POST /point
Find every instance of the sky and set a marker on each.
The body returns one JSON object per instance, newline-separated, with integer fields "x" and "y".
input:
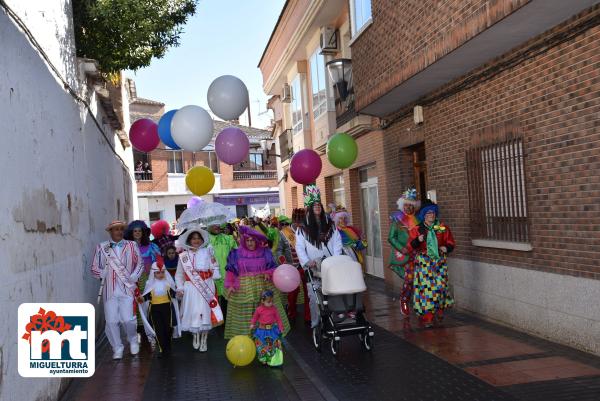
{"x": 224, "y": 37}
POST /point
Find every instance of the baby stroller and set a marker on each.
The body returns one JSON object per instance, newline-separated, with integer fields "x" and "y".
{"x": 339, "y": 299}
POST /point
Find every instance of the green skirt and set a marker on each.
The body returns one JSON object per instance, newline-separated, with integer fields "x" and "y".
{"x": 243, "y": 302}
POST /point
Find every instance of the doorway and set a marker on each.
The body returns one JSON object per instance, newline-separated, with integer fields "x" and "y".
{"x": 419, "y": 162}
{"x": 241, "y": 211}
{"x": 369, "y": 201}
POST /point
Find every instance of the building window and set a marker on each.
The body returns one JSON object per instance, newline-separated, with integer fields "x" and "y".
{"x": 154, "y": 216}
{"x": 317, "y": 77}
{"x": 294, "y": 197}
{"x": 256, "y": 161}
{"x": 179, "y": 209}
{"x": 143, "y": 166}
{"x": 213, "y": 162}
{"x": 337, "y": 182}
{"x": 175, "y": 164}
{"x": 297, "y": 122}
{"x": 360, "y": 11}
{"x": 497, "y": 194}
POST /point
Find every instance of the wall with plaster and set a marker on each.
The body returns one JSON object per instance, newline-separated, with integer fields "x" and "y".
{"x": 61, "y": 181}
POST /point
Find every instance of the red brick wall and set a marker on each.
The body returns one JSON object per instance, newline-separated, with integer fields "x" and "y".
{"x": 227, "y": 181}
{"x": 555, "y": 99}
{"x": 426, "y": 30}
{"x": 159, "y": 162}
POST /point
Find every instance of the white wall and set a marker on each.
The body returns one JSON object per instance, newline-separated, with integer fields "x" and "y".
{"x": 561, "y": 308}
{"x": 164, "y": 204}
{"x": 61, "y": 184}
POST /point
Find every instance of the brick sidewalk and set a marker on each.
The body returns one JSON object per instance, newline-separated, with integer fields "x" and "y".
{"x": 466, "y": 359}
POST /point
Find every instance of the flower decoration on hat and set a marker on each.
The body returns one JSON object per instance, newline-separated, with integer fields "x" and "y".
{"x": 312, "y": 195}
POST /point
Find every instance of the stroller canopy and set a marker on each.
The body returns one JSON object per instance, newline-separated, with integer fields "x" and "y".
{"x": 341, "y": 275}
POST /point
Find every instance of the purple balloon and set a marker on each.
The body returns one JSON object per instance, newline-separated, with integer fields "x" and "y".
{"x": 195, "y": 200}
{"x": 232, "y": 145}
{"x": 305, "y": 166}
{"x": 143, "y": 135}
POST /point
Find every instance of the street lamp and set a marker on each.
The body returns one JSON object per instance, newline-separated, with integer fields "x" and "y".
{"x": 340, "y": 72}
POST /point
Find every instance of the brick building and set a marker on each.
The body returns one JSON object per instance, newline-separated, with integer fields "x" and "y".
{"x": 490, "y": 108}
{"x": 162, "y": 193}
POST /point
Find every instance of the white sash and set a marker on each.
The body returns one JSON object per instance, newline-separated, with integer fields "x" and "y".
{"x": 201, "y": 286}
{"x": 196, "y": 280}
{"x": 118, "y": 267}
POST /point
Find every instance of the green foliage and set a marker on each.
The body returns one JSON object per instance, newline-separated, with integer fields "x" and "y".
{"x": 126, "y": 34}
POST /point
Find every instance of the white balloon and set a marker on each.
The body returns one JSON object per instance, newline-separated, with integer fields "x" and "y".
{"x": 192, "y": 128}
{"x": 228, "y": 97}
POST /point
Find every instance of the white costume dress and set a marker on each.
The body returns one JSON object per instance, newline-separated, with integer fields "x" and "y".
{"x": 196, "y": 314}
{"x": 308, "y": 252}
{"x": 118, "y": 296}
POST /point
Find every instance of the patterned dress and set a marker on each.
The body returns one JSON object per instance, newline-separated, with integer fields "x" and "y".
{"x": 246, "y": 271}
{"x": 431, "y": 293}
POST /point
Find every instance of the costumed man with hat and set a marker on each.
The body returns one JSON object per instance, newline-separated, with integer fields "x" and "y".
{"x": 118, "y": 264}
{"x": 402, "y": 256}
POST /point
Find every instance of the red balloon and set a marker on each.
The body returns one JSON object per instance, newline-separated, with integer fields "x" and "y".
{"x": 160, "y": 228}
{"x": 143, "y": 135}
{"x": 305, "y": 166}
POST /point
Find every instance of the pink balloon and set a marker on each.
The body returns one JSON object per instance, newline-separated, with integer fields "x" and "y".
{"x": 232, "y": 145}
{"x": 143, "y": 135}
{"x": 286, "y": 278}
{"x": 305, "y": 166}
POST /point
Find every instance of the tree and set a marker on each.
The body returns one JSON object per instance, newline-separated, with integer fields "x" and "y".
{"x": 126, "y": 34}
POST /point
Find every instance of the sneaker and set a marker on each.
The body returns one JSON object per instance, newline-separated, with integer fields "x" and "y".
{"x": 152, "y": 342}
{"x": 118, "y": 354}
{"x": 404, "y": 308}
{"x": 427, "y": 319}
{"x": 196, "y": 342}
{"x": 134, "y": 347}
{"x": 203, "y": 342}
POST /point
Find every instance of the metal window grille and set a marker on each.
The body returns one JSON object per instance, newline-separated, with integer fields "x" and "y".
{"x": 497, "y": 195}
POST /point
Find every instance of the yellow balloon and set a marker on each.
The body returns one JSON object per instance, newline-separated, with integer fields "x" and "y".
{"x": 200, "y": 180}
{"x": 240, "y": 350}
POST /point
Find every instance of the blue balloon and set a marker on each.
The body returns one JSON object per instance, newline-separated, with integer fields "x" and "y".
{"x": 164, "y": 129}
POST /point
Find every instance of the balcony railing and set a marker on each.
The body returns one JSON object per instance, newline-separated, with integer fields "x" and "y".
{"x": 143, "y": 176}
{"x": 255, "y": 175}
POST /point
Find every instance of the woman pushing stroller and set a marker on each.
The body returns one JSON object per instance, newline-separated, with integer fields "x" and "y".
{"x": 315, "y": 240}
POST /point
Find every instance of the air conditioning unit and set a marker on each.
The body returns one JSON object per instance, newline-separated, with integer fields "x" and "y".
{"x": 286, "y": 94}
{"x": 329, "y": 40}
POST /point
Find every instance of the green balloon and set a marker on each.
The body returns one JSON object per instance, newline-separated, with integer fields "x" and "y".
{"x": 342, "y": 150}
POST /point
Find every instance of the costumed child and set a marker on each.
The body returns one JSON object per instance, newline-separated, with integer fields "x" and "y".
{"x": 171, "y": 259}
{"x": 432, "y": 242}
{"x": 402, "y": 256}
{"x": 163, "y": 310}
{"x": 196, "y": 272}
{"x": 267, "y": 333}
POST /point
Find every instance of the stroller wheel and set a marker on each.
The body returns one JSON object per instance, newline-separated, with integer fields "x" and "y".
{"x": 317, "y": 337}
{"x": 335, "y": 346}
{"x": 366, "y": 340}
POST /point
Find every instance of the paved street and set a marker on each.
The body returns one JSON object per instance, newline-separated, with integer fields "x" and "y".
{"x": 466, "y": 359}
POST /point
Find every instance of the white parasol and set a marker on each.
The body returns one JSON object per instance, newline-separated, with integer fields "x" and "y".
{"x": 205, "y": 214}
